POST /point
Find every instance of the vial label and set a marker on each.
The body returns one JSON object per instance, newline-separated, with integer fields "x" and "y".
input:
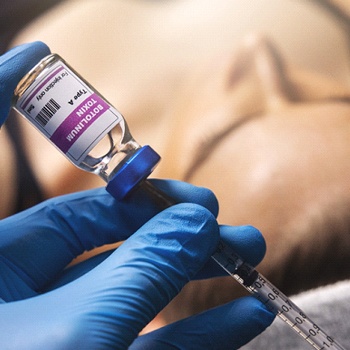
{"x": 64, "y": 109}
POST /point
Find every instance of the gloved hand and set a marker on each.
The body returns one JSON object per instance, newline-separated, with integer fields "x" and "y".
{"x": 106, "y": 301}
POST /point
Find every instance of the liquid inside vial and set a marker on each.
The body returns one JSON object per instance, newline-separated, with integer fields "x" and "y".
{"x": 85, "y": 127}
{"x": 110, "y": 152}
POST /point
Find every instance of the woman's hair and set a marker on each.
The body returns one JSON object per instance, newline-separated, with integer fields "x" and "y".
{"x": 16, "y": 14}
{"x": 340, "y": 11}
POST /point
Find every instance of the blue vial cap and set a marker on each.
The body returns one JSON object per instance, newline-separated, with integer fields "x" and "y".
{"x": 135, "y": 169}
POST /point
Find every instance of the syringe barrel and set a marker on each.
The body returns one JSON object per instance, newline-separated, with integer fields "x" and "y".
{"x": 286, "y": 310}
{"x": 273, "y": 298}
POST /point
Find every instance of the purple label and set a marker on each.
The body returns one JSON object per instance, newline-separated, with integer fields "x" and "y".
{"x": 78, "y": 122}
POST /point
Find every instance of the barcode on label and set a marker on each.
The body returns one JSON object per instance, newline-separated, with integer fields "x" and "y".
{"x": 47, "y": 112}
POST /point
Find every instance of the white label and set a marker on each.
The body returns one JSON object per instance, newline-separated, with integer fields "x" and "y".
{"x": 68, "y": 112}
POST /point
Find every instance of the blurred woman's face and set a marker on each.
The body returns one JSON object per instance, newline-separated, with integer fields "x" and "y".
{"x": 273, "y": 150}
{"x": 276, "y": 170}
{"x": 141, "y": 64}
{"x": 273, "y": 146}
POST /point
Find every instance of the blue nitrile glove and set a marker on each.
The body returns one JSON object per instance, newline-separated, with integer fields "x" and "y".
{"x": 111, "y": 303}
{"x": 14, "y": 64}
{"x": 120, "y": 292}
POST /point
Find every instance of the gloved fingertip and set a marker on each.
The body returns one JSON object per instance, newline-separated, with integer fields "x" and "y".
{"x": 247, "y": 241}
{"x": 226, "y": 327}
{"x": 185, "y": 192}
{"x": 257, "y": 312}
{"x": 193, "y": 231}
{"x": 249, "y": 318}
{"x": 26, "y": 54}
{"x": 14, "y": 64}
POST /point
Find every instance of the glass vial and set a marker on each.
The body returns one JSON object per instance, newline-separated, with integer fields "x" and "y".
{"x": 73, "y": 116}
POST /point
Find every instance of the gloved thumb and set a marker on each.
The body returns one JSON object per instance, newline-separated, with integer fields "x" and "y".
{"x": 14, "y": 64}
{"x": 151, "y": 267}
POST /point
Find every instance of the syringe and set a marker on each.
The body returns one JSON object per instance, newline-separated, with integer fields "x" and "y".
{"x": 260, "y": 287}
{"x": 273, "y": 298}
